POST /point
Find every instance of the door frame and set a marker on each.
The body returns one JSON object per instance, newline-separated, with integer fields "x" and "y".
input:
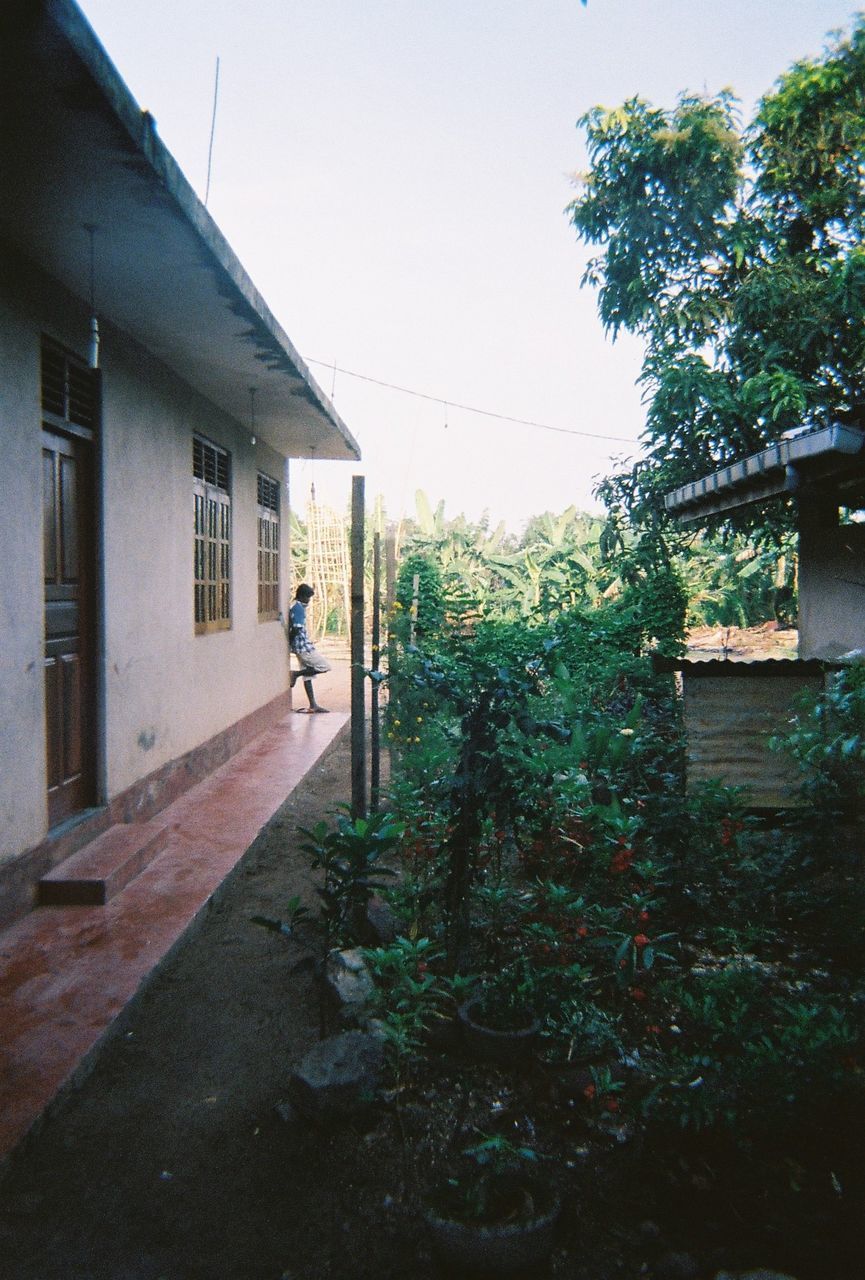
{"x": 77, "y": 418}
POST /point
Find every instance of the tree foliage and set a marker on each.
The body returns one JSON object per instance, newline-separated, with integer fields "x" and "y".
{"x": 738, "y": 256}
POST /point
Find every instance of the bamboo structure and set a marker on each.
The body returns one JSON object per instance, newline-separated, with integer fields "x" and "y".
{"x": 327, "y": 567}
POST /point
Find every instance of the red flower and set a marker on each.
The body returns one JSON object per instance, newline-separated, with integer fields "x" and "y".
{"x": 653, "y": 1029}
{"x": 643, "y": 916}
{"x": 637, "y": 993}
{"x": 640, "y": 940}
{"x": 582, "y": 932}
{"x": 589, "y": 1092}
{"x": 621, "y": 861}
{"x": 612, "y": 1104}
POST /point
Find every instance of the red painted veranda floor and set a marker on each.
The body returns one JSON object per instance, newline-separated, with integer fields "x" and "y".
{"x": 67, "y": 973}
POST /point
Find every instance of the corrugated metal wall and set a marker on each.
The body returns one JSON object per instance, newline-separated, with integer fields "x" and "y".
{"x": 728, "y": 722}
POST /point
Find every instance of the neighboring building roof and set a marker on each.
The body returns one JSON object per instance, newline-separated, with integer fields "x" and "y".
{"x": 77, "y": 151}
{"x": 828, "y": 458}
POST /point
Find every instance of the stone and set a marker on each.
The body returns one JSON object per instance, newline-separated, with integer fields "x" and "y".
{"x": 381, "y": 920}
{"x": 337, "y": 1079}
{"x": 348, "y": 979}
{"x": 286, "y": 1113}
{"x": 762, "y": 1274}
{"x": 677, "y": 1266}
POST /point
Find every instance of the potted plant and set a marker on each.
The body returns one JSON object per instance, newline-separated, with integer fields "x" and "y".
{"x": 579, "y": 1036}
{"x": 499, "y": 1021}
{"x": 494, "y": 1215}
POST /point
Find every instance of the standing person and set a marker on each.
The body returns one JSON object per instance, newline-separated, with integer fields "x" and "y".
{"x": 312, "y": 663}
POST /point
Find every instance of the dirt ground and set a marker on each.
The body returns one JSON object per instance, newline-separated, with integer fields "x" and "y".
{"x": 175, "y": 1161}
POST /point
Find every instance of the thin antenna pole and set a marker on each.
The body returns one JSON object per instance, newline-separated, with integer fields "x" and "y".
{"x": 212, "y": 132}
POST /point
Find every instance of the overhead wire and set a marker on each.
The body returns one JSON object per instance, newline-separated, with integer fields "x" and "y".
{"x": 467, "y": 408}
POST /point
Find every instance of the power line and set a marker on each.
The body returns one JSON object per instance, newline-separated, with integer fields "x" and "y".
{"x": 453, "y": 404}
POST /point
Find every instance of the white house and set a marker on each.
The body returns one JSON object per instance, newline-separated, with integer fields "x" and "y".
{"x": 144, "y": 514}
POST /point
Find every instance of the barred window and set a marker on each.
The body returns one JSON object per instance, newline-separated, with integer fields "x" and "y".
{"x": 268, "y": 548}
{"x": 68, "y": 391}
{"x": 211, "y": 471}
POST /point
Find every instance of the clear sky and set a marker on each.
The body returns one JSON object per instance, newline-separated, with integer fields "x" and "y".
{"x": 393, "y": 175}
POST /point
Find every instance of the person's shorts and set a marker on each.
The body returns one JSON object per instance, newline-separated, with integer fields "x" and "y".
{"x": 314, "y": 660}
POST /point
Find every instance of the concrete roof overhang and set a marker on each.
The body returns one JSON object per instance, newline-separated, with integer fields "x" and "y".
{"x": 76, "y": 151}
{"x": 828, "y": 461}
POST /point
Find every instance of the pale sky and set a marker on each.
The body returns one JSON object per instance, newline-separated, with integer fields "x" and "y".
{"x": 393, "y": 175}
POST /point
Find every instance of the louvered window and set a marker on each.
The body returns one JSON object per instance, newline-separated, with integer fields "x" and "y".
{"x": 69, "y": 398}
{"x": 268, "y": 548}
{"x": 211, "y": 470}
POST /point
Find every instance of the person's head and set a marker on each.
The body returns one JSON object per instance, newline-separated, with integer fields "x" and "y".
{"x": 304, "y": 593}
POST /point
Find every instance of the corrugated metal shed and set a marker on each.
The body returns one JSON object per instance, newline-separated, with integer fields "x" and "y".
{"x": 731, "y": 710}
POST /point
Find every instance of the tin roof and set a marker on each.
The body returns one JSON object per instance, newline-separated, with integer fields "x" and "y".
{"x": 695, "y": 665}
{"x": 833, "y": 456}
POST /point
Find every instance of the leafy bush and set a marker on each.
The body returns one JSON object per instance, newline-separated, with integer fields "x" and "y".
{"x": 827, "y": 738}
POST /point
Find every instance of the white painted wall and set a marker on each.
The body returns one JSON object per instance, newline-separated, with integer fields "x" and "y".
{"x": 831, "y": 586}
{"x": 166, "y": 689}
{"x": 22, "y": 690}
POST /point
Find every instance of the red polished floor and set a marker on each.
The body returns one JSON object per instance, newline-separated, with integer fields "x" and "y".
{"x": 67, "y": 973}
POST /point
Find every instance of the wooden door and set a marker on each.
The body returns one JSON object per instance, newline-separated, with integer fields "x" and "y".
{"x": 69, "y": 665}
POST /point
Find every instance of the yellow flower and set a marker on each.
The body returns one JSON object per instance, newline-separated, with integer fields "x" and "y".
{"x": 420, "y": 719}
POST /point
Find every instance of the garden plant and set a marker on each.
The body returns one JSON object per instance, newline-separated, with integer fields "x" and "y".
{"x": 698, "y": 1014}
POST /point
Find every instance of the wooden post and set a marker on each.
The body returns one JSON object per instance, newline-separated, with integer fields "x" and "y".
{"x": 389, "y": 590}
{"x": 375, "y": 666}
{"x": 358, "y": 725}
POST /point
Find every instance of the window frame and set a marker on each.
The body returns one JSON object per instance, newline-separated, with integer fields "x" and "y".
{"x": 212, "y": 536}
{"x": 269, "y": 559}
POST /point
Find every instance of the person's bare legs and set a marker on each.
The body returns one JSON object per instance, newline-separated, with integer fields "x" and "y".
{"x": 310, "y": 697}
{"x": 314, "y": 664}
{"x": 306, "y": 674}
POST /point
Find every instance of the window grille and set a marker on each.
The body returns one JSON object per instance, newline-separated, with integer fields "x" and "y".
{"x": 68, "y": 389}
{"x": 211, "y": 471}
{"x": 268, "y": 548}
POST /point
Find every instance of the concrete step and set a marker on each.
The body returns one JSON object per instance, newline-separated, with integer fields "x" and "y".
{"x": 104, "y": 866}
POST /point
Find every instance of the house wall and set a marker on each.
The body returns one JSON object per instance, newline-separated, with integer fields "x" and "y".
{"x": 164, "y": 689}
{"x": 831, "y": 583}
{"x": 22, "y": 694}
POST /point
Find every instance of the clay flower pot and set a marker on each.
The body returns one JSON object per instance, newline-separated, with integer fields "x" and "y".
{"x": 518, "y": 1244}
{"x": 493, "y": 1040}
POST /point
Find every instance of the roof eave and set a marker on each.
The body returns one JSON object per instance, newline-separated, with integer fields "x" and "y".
{"x": 778, "y": 469}
{"x": 165, "y": 273}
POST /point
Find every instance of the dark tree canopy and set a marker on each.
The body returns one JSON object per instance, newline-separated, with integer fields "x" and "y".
{"x": 738, "y": 256}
